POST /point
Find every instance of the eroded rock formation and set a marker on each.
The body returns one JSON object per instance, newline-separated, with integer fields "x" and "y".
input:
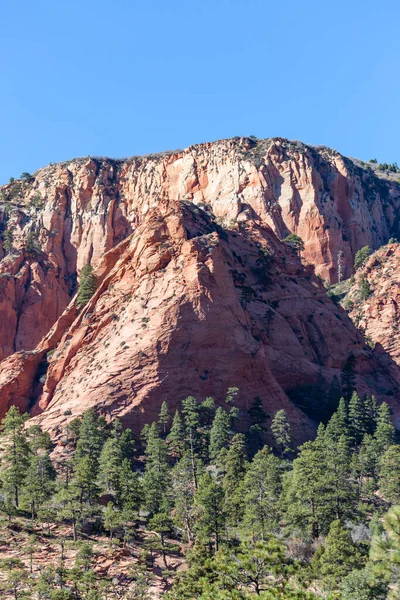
{"x": 196, "y": 292}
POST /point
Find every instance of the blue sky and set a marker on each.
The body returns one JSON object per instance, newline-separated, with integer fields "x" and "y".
{"x": 125, "y": 77}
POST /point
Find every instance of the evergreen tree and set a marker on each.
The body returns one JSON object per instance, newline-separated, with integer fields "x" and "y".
{"x": 112, "y": 519}
{"x": 191, "y": 413}
{"x": 156, "y": 477}
{"x": 8, "y": 240}
{"x": 340, "y": 556}
{"x": 280, "y": 428}
{"x": 385, "y": 432}
{"x": 385, "y": 550}
{"x": 362, "y": 584}
{"x": 356, "y": 420}
{"x": 361, "y": 257}
{"x": 235, "y": 465}
{"x": 389, "y": 475}
{"x": 209, "y": 521}
{"x": 16, "y": 454}
{"x": 176, "y": 436}
{"x": 308, "y": 489}
{"x": 162, "y": 524}
{"x": 261, "y": 494}
{"x": 340, "y": 492}
{"x": 183, "y": 491}
{"x": 116, "y": 449}
{"x": 348, "y": 378}
{"x": 163, "y": 418}
{"x": 92, "y": 434}
{"x": 258, "y": 417}
{"x": 207, "y": 413}
{"x": 87, "y": 286}
{"x": 39, "y": 482}
{"x": 338, "y": 424}
{"x": 129, "y": 489}
{"x": 38, "y": 439}
{"x": 220, "y": 433}
{"x": 91, "y": 438}
{"x": 365, "y": 466}
{"x": 370, "y": 413}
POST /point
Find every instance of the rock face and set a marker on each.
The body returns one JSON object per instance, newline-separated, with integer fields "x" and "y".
{"x": 378, "y": 315}
{"x": 196, "y": 292}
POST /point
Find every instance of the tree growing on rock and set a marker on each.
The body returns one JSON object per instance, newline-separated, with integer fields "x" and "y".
{"x": 87, "y": 286}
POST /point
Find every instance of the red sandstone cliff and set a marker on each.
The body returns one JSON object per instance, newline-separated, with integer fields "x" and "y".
{"x": 184, "y": 306}
{"x": 378, "y": 315}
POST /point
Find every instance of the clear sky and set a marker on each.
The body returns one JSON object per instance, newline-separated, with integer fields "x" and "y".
{"x": 125, "y": 77}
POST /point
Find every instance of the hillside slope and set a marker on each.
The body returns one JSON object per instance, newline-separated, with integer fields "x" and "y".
{"x": 196, "y": 292}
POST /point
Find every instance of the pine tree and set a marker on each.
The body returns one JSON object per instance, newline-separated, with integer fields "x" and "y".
{"x": 183, "y": 491}
{"x": 162, "y": 524}
{"x": 156, "y": 478}
{"x": 262, "y": 489}
{"x": 16, "y": 455}
{"x": 356, "y": 420}
{"x": 8, "y": 240}
{"x": 129, "y": 489}
{"x": 255, "y": 435}
{"x": 363, "y": 584}
{"x": 365, "y": 466}
{"x": 191, "y": 413}
{"x": 389, "y": 475}
{"x": 340, "y": 493}
{"x": 39, "y": 483}
{"x": 86, "y": 459}
{"x": 340, "y": 556}
{"x": 308, "y": 488}
{"x": 370, "y": 413}
{"x": 280, "y": 428}
{"x": 338, "y": 424}
{"x": 385, "y": 550}
{"x": 163, "y": 418}
{"x": 220, "y": 433}
{"x": 112, "y": 519}
{"x": 176, "y": 436}
{"x": 38, "y": 439}
{"x": 87, "y": 286}
{"x": 234, "y": 466}
{"x": 209, "y": 521}
{"x": 116, "y": 449}
{"x": 385, "y": 432}
{"x": 92, "y": 434}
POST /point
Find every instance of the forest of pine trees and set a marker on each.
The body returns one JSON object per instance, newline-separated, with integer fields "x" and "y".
{"x": 322, "y": 521}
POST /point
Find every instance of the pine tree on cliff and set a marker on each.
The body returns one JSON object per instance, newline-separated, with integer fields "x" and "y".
{"x": 8, "y": 239}
{"x": 87, "y": 286}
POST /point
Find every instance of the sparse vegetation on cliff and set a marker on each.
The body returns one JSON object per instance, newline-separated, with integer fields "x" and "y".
{"x": 87, "y": 286}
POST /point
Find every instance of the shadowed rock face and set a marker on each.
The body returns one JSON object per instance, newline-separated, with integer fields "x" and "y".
{"x": 185, "y": 306}
{"x": 379, "y": 314}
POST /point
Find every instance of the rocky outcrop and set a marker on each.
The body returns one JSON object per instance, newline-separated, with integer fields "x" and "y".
{"x": 374, "y": 300}
{"x": 196, "y": 292}
{"x": 186, "y": 307}
{"x": 79, "y": 210}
